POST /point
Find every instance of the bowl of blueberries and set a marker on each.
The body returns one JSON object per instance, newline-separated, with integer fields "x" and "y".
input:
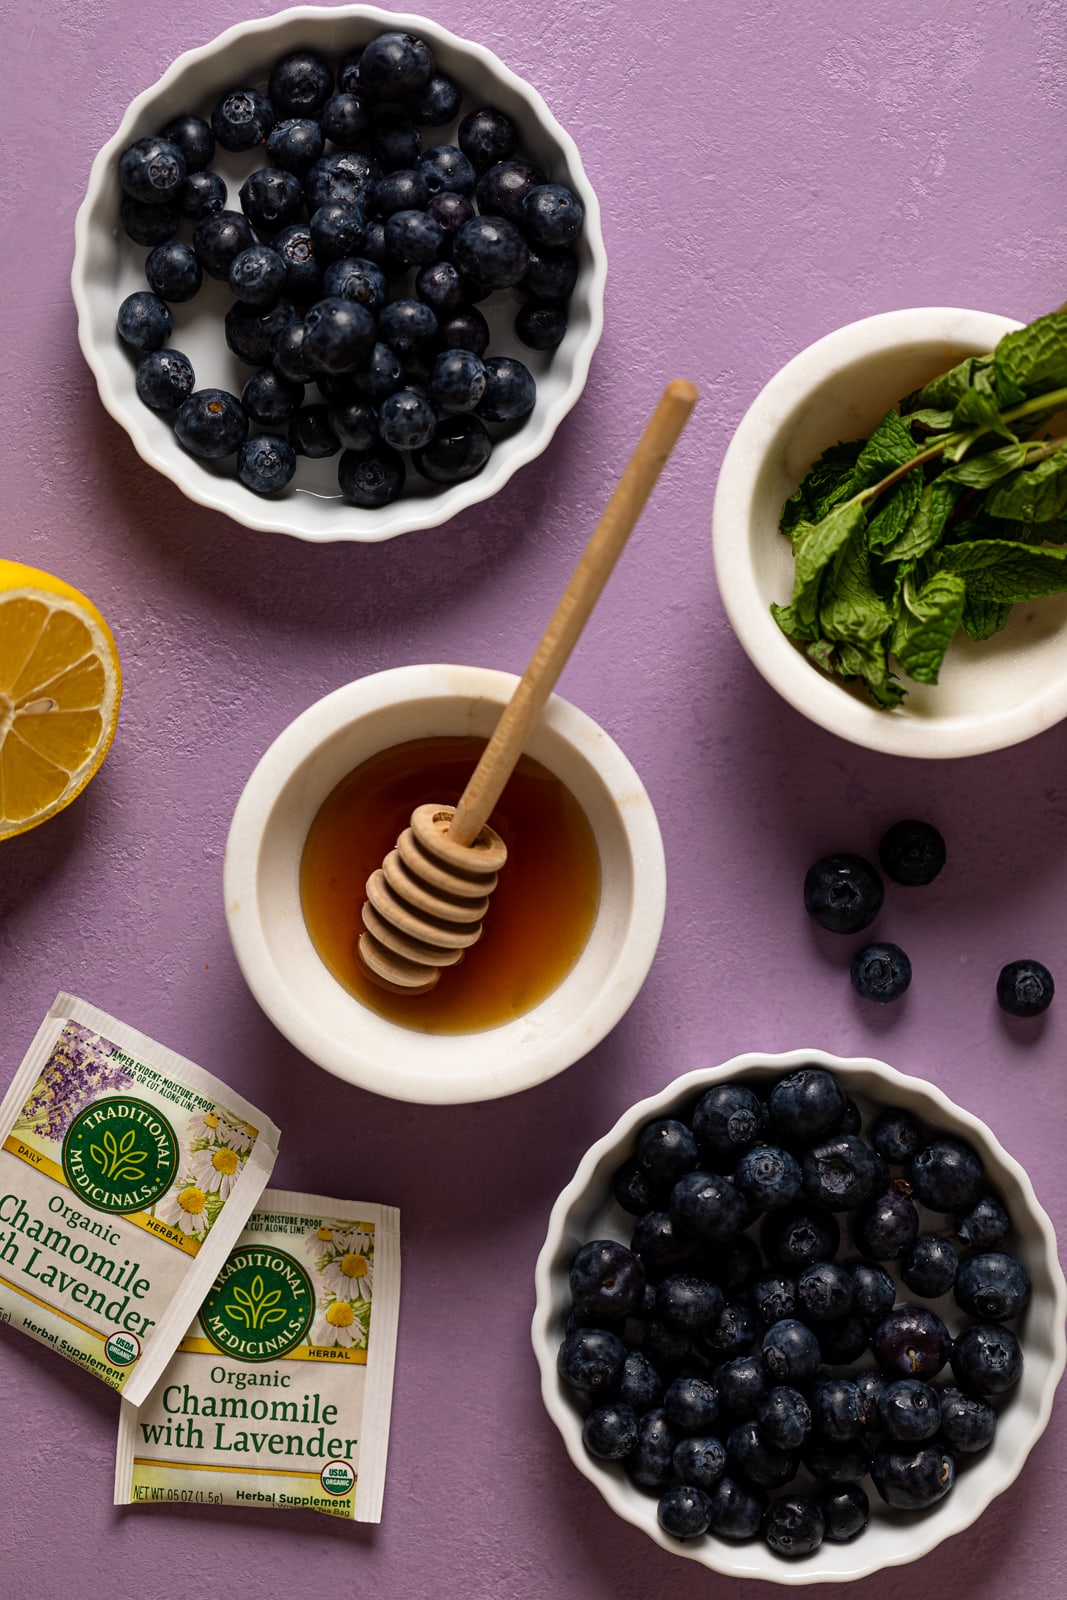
{"x": 339, "y": 273}
{"x": 799, "y": 1317}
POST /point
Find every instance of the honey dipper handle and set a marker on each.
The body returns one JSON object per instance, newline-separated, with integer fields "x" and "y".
{"x": 571, "y": 614}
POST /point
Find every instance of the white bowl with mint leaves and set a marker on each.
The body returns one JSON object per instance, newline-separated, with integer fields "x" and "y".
{"x": 890, "y": 531}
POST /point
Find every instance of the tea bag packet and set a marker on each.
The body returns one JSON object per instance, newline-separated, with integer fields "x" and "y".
{"x": 126, "y": 1176}
{"x": 279, "y": 1396}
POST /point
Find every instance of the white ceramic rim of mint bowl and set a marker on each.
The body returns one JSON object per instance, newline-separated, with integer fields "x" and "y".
{"x": 307, "y": 1004}
{"x": 107, "y": 266}
{"x": 581, "y": 1212}
{"x": 991, "y": 695}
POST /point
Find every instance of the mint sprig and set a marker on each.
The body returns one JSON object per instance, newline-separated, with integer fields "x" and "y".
{"x": 951, "y": 512}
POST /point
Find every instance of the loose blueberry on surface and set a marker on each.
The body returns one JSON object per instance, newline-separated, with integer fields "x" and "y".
{"x": 149, "y": 225}
{"x": 211, "y": 424}
{"x": 1025, "y": 988}
{"x": 912, "y": 853}
{"x": 794, "y": 1525}
{"x": 371, "y": 478}
{"x": 269, "y": 398}
{"x": 295, "y": 145}
{"x": 164, "y": 379}
{"x": 912, "y": 1479}
{"x": 992, "y": 1287}
{"x": 144, "y": 321}
{"x": 843, "y": 893}
{"x": 242, "y": 119}
{"x": 265, "y": 463}
{"x": 173, "y": 271}
{"x": 203, "y": 194}
{"x": 880, "y": 972}
{"x": 610, "y": 1432}
{"x": 846, "y": 1512}
{"x": 300, "y": 84}
{"x": 152, "y": 170}
{"x": 257, "y": 276}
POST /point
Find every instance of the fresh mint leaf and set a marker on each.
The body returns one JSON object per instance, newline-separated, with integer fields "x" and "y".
{"x": 895, "y": 510}
{"x": 977, "y": 408}
{"x": 790, "y": 624}
{"x": 1004, "y": 571}
{"x": 815, "y": 546}
{"x": 1034, "y": 358}
{"x": 824, "y": 654}
{"x": 981, "y": 619}
{"x": 1036, "y": 494}
{"x": 943, "y": 393}
{"x": 824, "y": 485}
{"x": 851, "y": 606}
{"x": 926, "y": 528}
{"x": 932, "y": 420}
{"x": 870, "y": 663}
{"x": 926, "y": 626}
{"x": 980, "y": 472}
{"x": 890, "y": 446}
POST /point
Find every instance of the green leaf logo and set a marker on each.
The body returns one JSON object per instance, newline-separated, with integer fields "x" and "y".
{"x": 260, "y": 1305}
{"x": 120, "y": 1154}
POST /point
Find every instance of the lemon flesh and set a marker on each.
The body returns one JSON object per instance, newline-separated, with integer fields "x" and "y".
{"x": 60, "y": 685}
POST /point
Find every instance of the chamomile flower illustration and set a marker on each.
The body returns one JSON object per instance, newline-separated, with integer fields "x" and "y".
{"x": 320, "y": 1242}
{"x": 185, "y": 1208}
{"x": 357, "y": 1238}
{"x": 204, "y": 1125}
{"x": 349, "y": 1276}
{"x": 215, "y": 1169}
{"x": 337, "y": 1323}
{"x": 238, "y": 1135}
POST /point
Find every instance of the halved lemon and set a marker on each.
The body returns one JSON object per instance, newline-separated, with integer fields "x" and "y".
{"x": 60, "y": 685}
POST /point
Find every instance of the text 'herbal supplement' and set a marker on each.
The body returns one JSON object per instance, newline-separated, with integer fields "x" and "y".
{"x": 279, "y": 1395}
{"x": 126, "y": 1175}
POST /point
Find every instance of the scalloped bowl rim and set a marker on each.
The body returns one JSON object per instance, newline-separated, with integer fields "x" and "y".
{"x": 403, "y": 515}
{"x": 754, "y": 1560}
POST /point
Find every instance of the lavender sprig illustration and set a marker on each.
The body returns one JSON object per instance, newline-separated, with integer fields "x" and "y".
{"x": 79, "y": 1070}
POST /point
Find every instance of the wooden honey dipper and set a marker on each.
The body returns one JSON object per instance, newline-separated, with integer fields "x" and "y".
{"x": 425, "y": 903}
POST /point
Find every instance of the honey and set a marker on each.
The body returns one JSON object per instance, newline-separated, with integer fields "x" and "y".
{"x": 540, "y": 914}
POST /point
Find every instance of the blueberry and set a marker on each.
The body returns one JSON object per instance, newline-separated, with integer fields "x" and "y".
{"x": 736, "y": 1510}
{"x": 406, "y": 420}
{"x": 633, "y": 1190}
{"x": 340, "y": 335}
{"x": 457, "y": 382}
{"x": 911, "y": 1342}
{"x": 911, "y": 853}
{"x": 773, "y": 1299}
{"x": 871, "y": 1385}
{"x": 265, "y": 463}
{"x": 992, "y": 1287}
{"x": 987, "y": 1358}
{"x": 467, "y": 330}
{"x": 408, "y": 327}
{"x": 929, "y": 1266}
{"x": 947, "y": 1175}
{"x": 731, "y": 1333}
{"x": 607, "y": 1278}
{"x": 825, "y": 1291}
{"x": 370, "y": 478}
{"x": 880, "y": 972}
{"x": 451, "y": 210}
{"x": 742, "y": 1384}
{"x": 691, "y": 1404}
{"x": 842, "y": 1173}
{"x": 218, "y": 238}
{"x": 144, "y": 320}
{"x": 173, "y": 271}
{"x": 486, "y": 136}
{"x": 799, "y": 1234}
{"x": 768, "y": 1176}
{"x": 842, "y": 1340}
{"x": 650, "y": 1462}
{"x": 437, "y": 104}
{"x": 444, "y": 168}
{"x": 403, "y": 190}
{"x": 458, "y": 450}
{"x": 968, "y": 1422}
{"x": 610, "y": 1432}
{"x": 269, "y": 398}
{"x": 846, "y": 1512}
{"x": 688, "y": 1302}
{"x": 551, "y": 274}
{"x": 909, "y": 1410}
{"x": 295, "y": 145}
{"x": 355, "y": 424}
{"x": 843, "y": 893}
{"x": 211, "y": 424}
{"x": 152, "y": 170}
{"x": 348, "y": 72}
{"x": 357, "y": 279}
{"x": 300, "y": 83}
{"x": 303, "y": 269}
{"x": 985, "y": 1225}
{"x": 395, "y": 140}
{"x": 784, "y": 1417}
{"x": 706, "y": 1206}
{"x": 288, "y": 355}
{"x": 1025, "y": 988}
{"x": 552, "y": 215}
{"x": 837, "y": 1461}
{"x": 310, "y": 433}
{"x": 252, "y": 333}
{"x": 912, "y": 1479}
{"x": 383, "y": 375}
{"x": 639, "y": 1384}
{"x": 875, "y": 1289}
{"x": 836, "y": 1410}
{"x": 590, "y": 1360}
{"x": 510, "y": 390}
{"x": 413, "y": 237}
{"x": 897, "y": 1135}
{"x": 794, "y": 1525}
{"x": 164, "y": 379}
{"x": 242, "y": 119}
{"x": 492, "y": 250}
{"x": 394, "y": 65}
{"x": 194, "y": 139}
{"x": 501, "y": 190}
{"x": 700, "y": 1460}
{"x": 727, "y": 1119}
{"x": 375, "y": 249}
{"x": 806, "y": 1104}
{"x": 659, "y": 1243}
{"x": 271, "y": 198}
{"x": 886, "y": 1227}
{"x": 148, "y": 224}
{"x": 541, "y": 325}
{"x": 737, "y": 1264}
{"x": 203, "y": 194}
{"x": 753, "y": 1457}
{"x": 345, "y": 119}
{"x": 440, "y": 285}
{"x": 341, "y": 175}
{"x": 257, "y": 276}
{"x": 791, "y": 1353}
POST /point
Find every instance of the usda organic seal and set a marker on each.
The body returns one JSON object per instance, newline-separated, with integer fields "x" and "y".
{"x": 260, "y": 1305}
{"x": 337, "y": 1477}
{"x": 120, "y": 1154}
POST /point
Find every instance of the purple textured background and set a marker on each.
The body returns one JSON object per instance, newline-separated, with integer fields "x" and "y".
{"x": 766, "y": 173}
